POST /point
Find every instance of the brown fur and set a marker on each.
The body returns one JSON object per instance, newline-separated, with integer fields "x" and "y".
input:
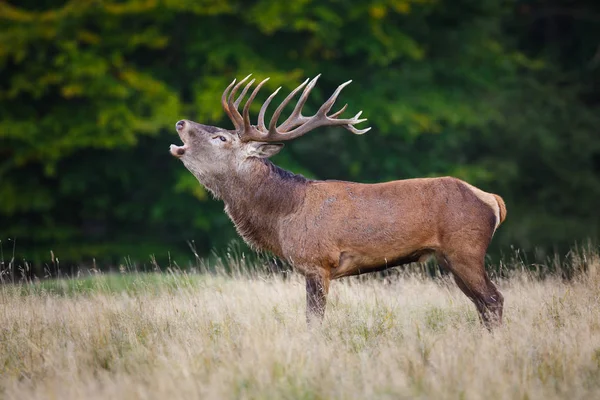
{"x": 331, "y": 229}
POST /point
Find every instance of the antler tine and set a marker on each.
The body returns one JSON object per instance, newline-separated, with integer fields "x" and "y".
{"x": 296, "y": 118}
{"x": 235, "y": 116}
{"x": 357, "y": 131}
{"x": 356, "y": 120}
{"x": 263, "y": 109}
{"x": 337, "y": 114}
{"x": 246, "y": 111}
{"x": 331, "y": 101}
{"x": 277, "y": 113}
{"x": 224, "y": 99}
{"x": 241, "y": 96}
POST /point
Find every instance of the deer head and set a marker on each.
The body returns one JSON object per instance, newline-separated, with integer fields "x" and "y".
{"x": 210, "y": 152}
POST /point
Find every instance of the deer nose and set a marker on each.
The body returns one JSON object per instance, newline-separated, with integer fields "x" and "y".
{"x": 179, "y": 125}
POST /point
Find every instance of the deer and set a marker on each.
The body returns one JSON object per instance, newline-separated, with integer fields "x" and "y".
{"x": 329, "y": 229}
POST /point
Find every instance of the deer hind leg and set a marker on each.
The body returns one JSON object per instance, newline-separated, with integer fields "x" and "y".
{"x": 317, "y": 288}
{"x": 470, "y": 276}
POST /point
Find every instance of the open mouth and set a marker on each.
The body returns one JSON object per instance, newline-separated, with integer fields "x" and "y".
{"x": 177, "y": 151}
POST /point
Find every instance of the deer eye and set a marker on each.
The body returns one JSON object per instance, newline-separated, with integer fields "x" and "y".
{"x": 222, "y": 138}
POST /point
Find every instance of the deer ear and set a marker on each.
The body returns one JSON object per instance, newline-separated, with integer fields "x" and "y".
{"x": 263, "y": 150}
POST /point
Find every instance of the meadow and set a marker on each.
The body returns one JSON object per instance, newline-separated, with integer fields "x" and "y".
{"x": 243, "y": 335}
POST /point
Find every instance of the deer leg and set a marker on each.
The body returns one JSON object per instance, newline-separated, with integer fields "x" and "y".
{"x": 472, "y": 279}
{"x": 317, "y": 288}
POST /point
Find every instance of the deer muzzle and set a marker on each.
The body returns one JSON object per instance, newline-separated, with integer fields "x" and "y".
{"x": 179, "y": 151}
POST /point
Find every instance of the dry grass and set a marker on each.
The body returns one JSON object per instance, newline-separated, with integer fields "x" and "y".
{"x": 205, "y": 336}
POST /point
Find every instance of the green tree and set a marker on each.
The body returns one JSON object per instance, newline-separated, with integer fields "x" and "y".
{"x": 90, "y": 92}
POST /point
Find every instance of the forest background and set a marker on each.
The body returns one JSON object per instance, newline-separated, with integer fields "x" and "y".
{"x": 502, "y": 93}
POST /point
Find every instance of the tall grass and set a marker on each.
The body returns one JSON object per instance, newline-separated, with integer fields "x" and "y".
{"x": 233, "y": 334}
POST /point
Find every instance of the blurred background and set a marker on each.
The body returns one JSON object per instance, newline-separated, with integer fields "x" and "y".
{"x": 503, "y": 94}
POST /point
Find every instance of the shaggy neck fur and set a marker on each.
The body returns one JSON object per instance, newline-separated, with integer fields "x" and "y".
{"x": 257, "y": 199}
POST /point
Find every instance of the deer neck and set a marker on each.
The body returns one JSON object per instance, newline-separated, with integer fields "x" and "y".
{"x": 258, "y": 198}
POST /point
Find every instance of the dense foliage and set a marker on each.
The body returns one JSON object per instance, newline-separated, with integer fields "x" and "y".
{"x": 503, "y": 94}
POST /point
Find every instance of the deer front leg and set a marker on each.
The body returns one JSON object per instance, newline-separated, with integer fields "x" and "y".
{"x": 317, "y": 288}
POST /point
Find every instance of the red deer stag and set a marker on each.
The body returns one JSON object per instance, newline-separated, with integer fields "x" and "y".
{"x": 331, "y": 229}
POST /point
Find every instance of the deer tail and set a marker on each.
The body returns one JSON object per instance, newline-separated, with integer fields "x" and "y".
{"x": 502, "y": 208}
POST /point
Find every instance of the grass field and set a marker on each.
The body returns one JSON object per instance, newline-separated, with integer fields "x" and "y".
{"x": 177, "y": 335}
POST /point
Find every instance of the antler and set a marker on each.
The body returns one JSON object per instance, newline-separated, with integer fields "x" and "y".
{"x": 295, "y": 125}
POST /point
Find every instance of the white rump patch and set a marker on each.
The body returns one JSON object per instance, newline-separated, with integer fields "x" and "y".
{"x": 488, "y": 199}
